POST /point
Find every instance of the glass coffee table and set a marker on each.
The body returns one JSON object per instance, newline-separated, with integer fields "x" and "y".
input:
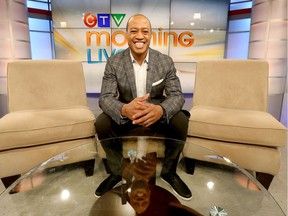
{"x": 218, "y": 189}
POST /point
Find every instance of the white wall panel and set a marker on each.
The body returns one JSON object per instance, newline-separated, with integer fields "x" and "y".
{"x": 14, "y": 41}
{"x": 258, "y": 31}
{"x": 269, "y": 41}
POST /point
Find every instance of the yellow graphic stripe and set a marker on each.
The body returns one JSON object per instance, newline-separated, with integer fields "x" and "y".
{"x": 62, "y": 41}
{"x": 206, "y": 53}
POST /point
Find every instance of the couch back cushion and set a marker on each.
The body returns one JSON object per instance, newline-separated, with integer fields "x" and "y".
{"x": 233, "y": 84}
{"x": 39, "y": 84}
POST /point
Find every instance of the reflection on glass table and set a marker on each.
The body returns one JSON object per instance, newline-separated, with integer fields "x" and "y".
{"x": 57, "y": 188}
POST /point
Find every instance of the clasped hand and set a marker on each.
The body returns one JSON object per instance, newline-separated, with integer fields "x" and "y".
{"x": 140, "y": 112}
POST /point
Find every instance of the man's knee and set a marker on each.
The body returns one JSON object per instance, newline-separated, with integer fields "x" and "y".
{"x": 180, "y": 120}
{"x": 103, "y": 124}
{"x": 179, "y": 125}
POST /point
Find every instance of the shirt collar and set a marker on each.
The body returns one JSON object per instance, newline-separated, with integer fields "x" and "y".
{"x": 145, "y": 60}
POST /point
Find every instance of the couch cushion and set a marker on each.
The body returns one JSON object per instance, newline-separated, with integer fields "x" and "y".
{"x": 37, "y": 127}
{"x": 251, "y": 157}
{"x": 242, "y": 126}
{"x": 21, "y": 160}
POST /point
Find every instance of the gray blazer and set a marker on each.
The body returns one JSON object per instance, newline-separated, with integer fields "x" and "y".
{"x": 119, "y": 87}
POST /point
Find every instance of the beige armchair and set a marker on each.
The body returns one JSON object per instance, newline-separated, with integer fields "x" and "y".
{"x": 229, "y": 116}
{"x": 48, "y": 114}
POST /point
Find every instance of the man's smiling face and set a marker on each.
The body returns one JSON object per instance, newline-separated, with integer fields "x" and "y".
{"x": 139, "y": 36}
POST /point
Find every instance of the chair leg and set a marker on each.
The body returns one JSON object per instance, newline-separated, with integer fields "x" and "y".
{"x": 89, "y": 167}
{"x": 189, "y": 165}
{"x": 264, "y": 178}
{"x": 7, "y": 181}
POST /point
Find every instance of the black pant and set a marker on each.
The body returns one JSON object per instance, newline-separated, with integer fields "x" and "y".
{"x": 176, "y": 130}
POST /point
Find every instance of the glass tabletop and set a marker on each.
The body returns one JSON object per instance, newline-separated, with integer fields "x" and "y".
{"x": 56, "y": 187}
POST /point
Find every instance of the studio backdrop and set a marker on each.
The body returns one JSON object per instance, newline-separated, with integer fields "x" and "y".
{"x": 186, "y": 30}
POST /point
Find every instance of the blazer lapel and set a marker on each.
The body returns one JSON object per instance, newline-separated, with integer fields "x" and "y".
{"x": 130, "y": 73}
{"x": 151, "y": 71}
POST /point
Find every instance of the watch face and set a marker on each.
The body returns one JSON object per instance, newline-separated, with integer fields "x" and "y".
{"x": 217, "y": 211}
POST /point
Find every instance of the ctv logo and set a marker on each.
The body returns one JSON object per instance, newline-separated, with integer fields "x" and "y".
{"x": 103, "y": 20}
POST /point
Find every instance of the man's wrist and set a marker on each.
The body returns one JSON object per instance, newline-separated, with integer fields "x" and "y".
{"x": 124, "y": 119}
{"x": 122, "y": 111}
{"x": 163, "y": 117}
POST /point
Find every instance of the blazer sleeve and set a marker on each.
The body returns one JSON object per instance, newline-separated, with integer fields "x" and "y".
{"x": 174, "y": 99}
{"x": 108, "y": 100}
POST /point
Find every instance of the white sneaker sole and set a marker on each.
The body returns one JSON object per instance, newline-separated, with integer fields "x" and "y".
{"x": 184, "y": 198}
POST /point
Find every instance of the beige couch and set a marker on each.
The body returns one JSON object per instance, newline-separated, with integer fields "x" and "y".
{"x": 48, "y": 114}
{"x": 229, "y": 116}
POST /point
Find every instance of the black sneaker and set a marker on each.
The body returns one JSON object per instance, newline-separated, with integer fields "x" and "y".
{"x": 178, "y": 186}
{"x": 110, "y": 182}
